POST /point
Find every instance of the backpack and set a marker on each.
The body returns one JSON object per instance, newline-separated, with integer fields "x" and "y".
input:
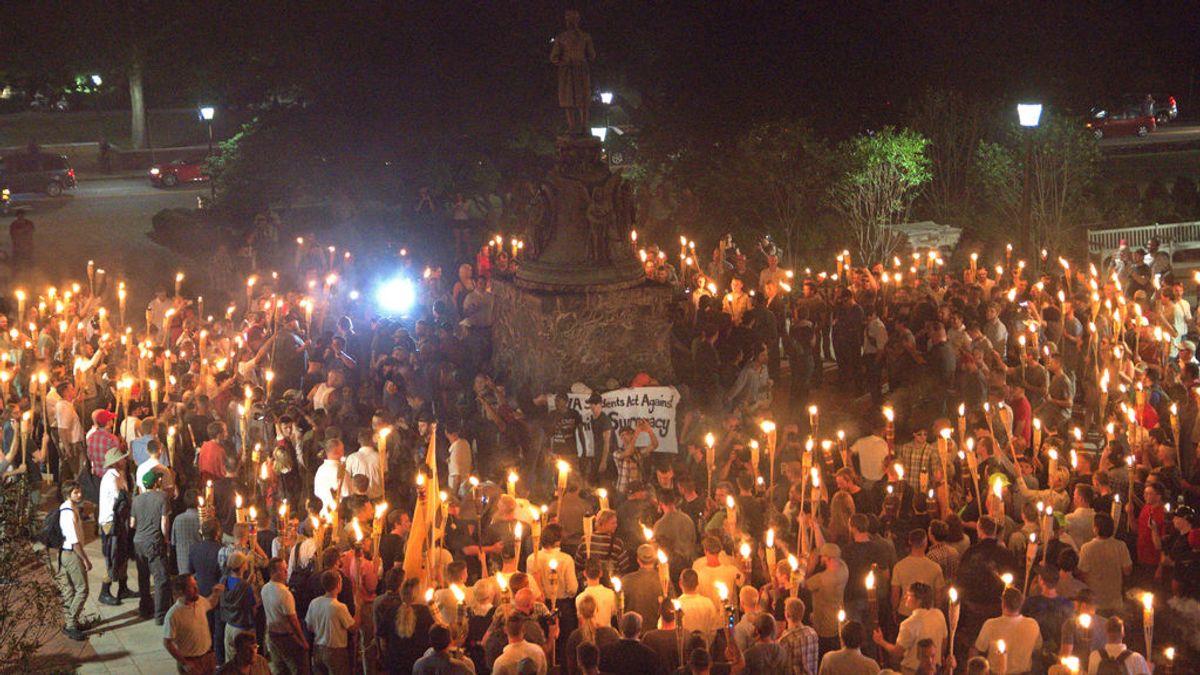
{"x": 52, "y": 535}
{"x": 299, "y": 582}
{"x": 1111, "y": 666}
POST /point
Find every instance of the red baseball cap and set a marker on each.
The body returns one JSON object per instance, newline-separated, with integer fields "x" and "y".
{"x": 101, "y": 417}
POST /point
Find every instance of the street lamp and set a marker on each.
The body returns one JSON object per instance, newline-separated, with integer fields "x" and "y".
{"x": 600, "y": 132}
{"x": 606, "y": 97}
{"x": 1029, "y": 114}
{"x": 207, "y": 113}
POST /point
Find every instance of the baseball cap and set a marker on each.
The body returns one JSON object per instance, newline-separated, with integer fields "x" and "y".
{"x": 149, "y": 479}
{"x": 830, "y": 550}
{"x": 101, "y": 416}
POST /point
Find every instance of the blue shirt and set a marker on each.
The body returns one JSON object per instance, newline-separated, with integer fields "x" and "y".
{"x": 141, "y": 453}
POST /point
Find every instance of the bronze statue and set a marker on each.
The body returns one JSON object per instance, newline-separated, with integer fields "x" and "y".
{"x": 572, "y": 53}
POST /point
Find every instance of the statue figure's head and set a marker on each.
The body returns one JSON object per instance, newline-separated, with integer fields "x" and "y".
{"x": 572, "y": 17}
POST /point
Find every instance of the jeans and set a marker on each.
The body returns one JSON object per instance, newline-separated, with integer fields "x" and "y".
{"x": 152, "y": 562}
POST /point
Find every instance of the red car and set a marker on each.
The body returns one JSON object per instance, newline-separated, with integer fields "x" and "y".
{"x": 179, "y": 171}
{"x": 1104, "y": 123}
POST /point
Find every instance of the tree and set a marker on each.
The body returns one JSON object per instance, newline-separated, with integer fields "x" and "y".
{"x": 1063, "y": 169}
{"x": 29, "y": 598}
{"x": 954, "y": 125}
{"x": 885, "y": 171}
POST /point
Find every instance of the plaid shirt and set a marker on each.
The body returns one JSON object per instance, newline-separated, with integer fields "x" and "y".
{"x": 916, "y": 457}
{"x": 946, "y": 557}
{"x": 629, "y": 470}
{"x": 801, "y": 646}
{"x": 99, "y": 442}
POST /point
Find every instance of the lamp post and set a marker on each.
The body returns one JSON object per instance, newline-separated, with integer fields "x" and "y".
{"x": 1029, "y": 114}
{"x": 606, "y": 98}
{"x": 207, "y": 113}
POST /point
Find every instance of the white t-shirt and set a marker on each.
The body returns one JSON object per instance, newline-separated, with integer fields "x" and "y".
{"x": 1135, "y": 663}
{"x": 871, "y": 451}
{"x": 329, "y": 620}
{"x": 109, "y": 489}
{"x": 143, "y": 469}
{"x": 1102, "y": 562}
{"x": 699, "y": 614}
{"x": 72, "y": 529}
{"x": 606, "y": 601}
{"x": 1021, "y": 636}
{"x": 326, "y": 480}
{"x": 875, "y": 337}
{"x": 130, "y": 429}
{"x": 187, "y": 625}
{"x": 513, "y": 654}
{"x": 709, "y": 576}
{"x": 278, "y": 605}
{"x": 321, "y": 396}
{"x": 909, "y": 569}
{"x": 366, "y": 462}
{"x": 68, "y": 422}
{"x": 924, "y": 623}
{"x": 460, "y": 458}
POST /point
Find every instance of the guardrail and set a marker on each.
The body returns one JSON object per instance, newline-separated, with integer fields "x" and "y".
{"x": 1103, "y": 241}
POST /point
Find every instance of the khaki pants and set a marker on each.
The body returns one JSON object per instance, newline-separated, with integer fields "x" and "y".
{"x": 74, "y": 586}
{"x": 331, "y": 660}
{"x": 287, "y": 657}
{"x": 205, "y": 663}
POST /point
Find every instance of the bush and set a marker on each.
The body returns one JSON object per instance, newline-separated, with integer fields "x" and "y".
{"x": 29, "y": 598}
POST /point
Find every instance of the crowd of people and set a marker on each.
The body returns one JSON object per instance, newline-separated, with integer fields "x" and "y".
{"x": 882, "y": 468}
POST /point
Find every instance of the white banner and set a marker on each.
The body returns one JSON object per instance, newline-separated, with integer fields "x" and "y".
{"x": 625, "y": 407}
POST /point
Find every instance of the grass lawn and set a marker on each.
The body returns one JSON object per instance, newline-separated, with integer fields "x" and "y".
{"x": 167, "y": 128}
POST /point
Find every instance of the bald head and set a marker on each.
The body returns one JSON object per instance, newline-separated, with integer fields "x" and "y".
{"x": 524, "y": 600}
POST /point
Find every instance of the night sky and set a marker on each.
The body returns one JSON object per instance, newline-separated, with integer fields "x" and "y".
{"x": 845, "y": 65}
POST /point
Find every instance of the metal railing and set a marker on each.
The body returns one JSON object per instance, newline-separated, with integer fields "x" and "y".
{"x": 1101, "y": 242}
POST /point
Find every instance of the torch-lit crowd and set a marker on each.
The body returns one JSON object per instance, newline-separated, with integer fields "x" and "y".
{"x": 893, "y": 467}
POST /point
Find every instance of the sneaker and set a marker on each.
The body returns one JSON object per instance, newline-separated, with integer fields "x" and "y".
{"x": 108, "y": 599}
{"x": 75, "y": 634}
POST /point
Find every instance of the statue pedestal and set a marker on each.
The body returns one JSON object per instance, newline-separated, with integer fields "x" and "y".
{"x": 579, "y": 225}
{"x": 547, "y": 340}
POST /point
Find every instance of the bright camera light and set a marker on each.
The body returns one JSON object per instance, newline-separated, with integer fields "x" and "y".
{"x": 97, "y": 80}
{"x": 1029, "y": 114}
{"x": 397, "y": 295}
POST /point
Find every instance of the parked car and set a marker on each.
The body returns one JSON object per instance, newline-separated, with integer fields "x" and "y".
{"x": 180, "y": 171}
{"x": 36, "y": 172}
{"x": 1104, "y": 123}
{"x": 1162, "y": 106}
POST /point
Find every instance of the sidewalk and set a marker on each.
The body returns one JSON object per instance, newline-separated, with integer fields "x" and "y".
{"x": 118, "y": 642}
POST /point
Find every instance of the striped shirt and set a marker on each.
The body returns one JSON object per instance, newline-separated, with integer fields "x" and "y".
{"x": 608, "y": 549}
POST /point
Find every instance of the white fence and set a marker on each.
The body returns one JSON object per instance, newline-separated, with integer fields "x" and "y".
{"x": 1103, "y": 242}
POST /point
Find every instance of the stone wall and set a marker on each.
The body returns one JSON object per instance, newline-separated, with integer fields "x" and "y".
{"x": 545, "y": 341}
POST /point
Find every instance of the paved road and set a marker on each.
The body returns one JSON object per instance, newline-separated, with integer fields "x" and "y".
{"x": 105, "y": 221}
{"x": 1167, "y": 134}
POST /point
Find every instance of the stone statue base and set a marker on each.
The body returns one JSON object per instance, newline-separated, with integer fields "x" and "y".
{"x": 579, "y": 226}
{"x": 547, "y": 340}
